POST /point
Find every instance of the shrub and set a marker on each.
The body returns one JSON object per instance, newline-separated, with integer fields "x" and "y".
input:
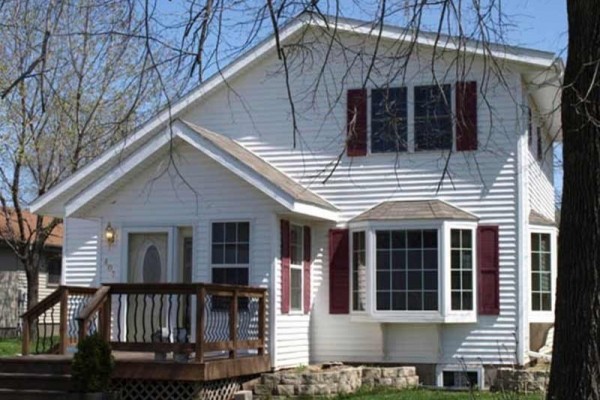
{"x": 92, "y": 366}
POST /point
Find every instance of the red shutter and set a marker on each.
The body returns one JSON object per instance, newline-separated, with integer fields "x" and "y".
{"x": 339, "y": 272}
{"x": 306, "y": 258}
{"x": 466, "y": 116}
{"x": 356, "y": 123}
{"x": 488, "y": 270}
{"x": 285, "y": 266}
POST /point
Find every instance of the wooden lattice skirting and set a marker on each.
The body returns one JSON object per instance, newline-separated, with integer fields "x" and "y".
{"x": 130, "y": 389}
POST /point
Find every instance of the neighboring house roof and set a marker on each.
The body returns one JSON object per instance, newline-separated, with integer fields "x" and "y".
{"x": 226, "y": 152}
{"x": 414, "y": 210}
{"x": 535, "y": 218}
{"x": 262, "y": 167}
{"x": 543, "y": 67}
{"x": 29, "y": 221}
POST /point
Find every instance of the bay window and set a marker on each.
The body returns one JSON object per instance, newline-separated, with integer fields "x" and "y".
{"x": 413, "y": 272}
{"x": 359, "y": 271}
{"x": 461, "y": 269}
{"x": 407, "y": 270}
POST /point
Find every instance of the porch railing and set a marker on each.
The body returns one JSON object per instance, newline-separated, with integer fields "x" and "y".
{"x": 51, "y": 326}
{"x": 212, "y": 321}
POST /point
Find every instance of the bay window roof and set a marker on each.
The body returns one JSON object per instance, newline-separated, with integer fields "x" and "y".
{"x": 414, "y": 210}
{"x": 535, "y": 218}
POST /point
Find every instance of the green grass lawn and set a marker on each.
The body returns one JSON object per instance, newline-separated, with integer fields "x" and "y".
{"x": 422, "y": 394}
{"x": 10, "y": 347}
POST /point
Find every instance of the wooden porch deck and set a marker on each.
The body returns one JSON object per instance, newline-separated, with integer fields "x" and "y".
{"x": 221, "y": 330}
{"x": 143, "y": 366}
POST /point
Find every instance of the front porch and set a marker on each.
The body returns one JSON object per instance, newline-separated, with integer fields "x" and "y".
{"x": 160, "y": 332}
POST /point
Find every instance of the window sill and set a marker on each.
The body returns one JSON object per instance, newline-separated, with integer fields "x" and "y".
{"x": 414, "y": 317}
{"x": 541, "y": 317}
{"x": 461, "y": 317}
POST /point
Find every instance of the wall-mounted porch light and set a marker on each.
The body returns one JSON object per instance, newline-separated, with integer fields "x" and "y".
{"x": 109, "y": 234}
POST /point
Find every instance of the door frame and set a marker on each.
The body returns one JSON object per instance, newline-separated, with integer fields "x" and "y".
{"x": 169, "y": 230}
{"x": 173, "y": 258}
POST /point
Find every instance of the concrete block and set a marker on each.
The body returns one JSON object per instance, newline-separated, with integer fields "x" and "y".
{"x": 243, "y": 395}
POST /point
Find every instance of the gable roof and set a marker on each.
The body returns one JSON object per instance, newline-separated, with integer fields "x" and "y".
{"x": 29, "y": 220}
{"x": 226, "y": 152}
{"x": 78, "y": 180}
{"x": 262, "y": 167}
{"x": 414, "y": 210}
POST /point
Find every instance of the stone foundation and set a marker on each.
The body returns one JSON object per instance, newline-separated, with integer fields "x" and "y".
{"x": 331, "y": 382}
{"x": 521, "y": 380}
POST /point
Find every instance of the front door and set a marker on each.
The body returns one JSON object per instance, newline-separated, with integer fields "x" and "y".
{"x": 148, "y": 260}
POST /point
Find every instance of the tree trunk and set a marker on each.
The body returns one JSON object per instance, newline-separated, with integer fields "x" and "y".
{"x": 576, "y": 357}
{"x": 33, "y": 279}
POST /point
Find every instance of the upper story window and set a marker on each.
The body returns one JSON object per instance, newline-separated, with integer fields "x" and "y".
{"x": 407, "y": 270}
{"x": 541, "y": 272}
{"x": 540, "y": 144}
{"x": 433, "y": 118}
{"x": 388, "y": 120}
{"x": 444, "y": 117}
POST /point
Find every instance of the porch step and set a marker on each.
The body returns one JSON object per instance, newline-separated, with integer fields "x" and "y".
{"x": 36, "y": 365}
{"x": 35, "y": 377}
{"x": 30, "y": 394}
{"x": 19, "y": 381}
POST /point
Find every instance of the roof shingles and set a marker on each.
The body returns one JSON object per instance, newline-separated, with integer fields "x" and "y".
{"x": 261, "y": 167}
{"x": 414, "y": 210}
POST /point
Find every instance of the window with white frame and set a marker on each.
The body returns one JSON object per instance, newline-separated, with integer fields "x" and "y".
{"x": 389, "y": 127}
{"x": 359, "y": 271}
{"x": 541, "y": 272}
{"x": 296, "y": 267}
{"x": 230, "y": 252}
{"x": 407, "y": 270}
{"x": 461, "y": 269}
{"x": 433, "y": 117}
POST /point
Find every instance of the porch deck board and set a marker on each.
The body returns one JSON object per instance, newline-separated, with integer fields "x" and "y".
{"x": 137, "y": 365}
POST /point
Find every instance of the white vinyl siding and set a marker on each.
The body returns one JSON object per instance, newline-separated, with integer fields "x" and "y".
{"x": 483, "y": 182}
{"x": 81, "y": 252}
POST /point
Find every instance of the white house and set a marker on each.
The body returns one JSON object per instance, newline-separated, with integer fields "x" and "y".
{"x": 429, "y": 241}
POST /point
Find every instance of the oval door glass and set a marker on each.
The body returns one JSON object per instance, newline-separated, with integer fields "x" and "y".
{"x": 151, "y": 265}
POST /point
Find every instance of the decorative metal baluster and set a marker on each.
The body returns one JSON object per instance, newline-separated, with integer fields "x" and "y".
{"x": 119, "y": 317}
{"x": 170, "y": 315}
{"x": 177, "y": 319}
{"x": 52, "y": 328}
{"x": 128, "y": 311}
{"x": 152, "y": 331}
{"x": 144, "y": 315}
{"x": 135, "y": 319}
{"x": 187, "y": 322}
{"x": 161, "y": 316}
